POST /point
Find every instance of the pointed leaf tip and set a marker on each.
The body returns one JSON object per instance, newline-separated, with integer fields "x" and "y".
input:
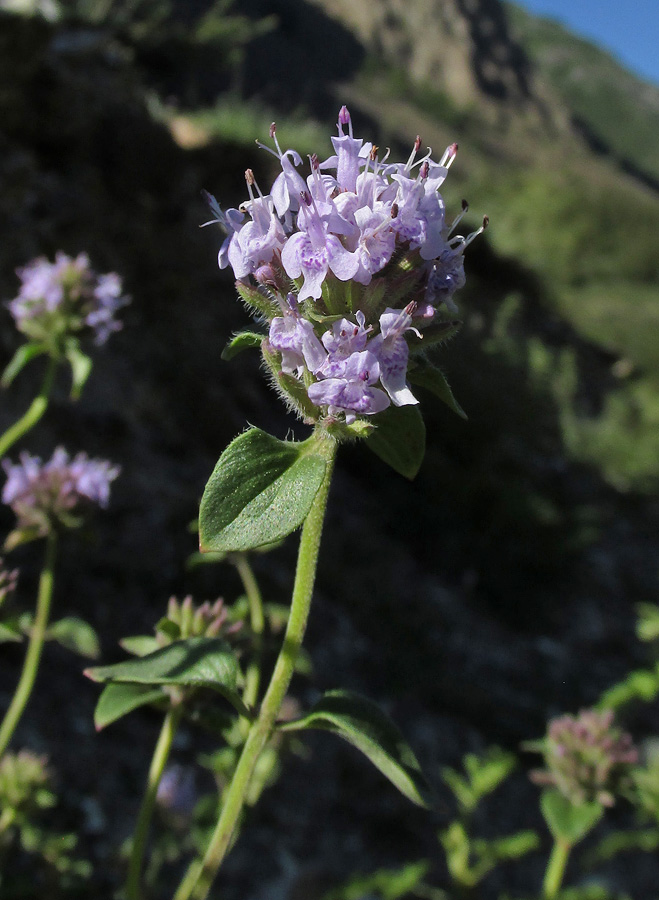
{"x": 363, "y": 724}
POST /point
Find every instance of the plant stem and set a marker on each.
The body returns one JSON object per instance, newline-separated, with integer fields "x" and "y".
{"x": 35, "y": 411}
{"x": 199, "y": 878}
{"x": 157, "y": 767}
{"x": 556, "y": 868}
{"x": 257, "y": 624}
{"x": 35, "y": 646}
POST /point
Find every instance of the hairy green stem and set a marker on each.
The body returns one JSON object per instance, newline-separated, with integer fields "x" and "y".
{"x": 556, "y": 869}
{"x": 35, "y": 411}
{"x": 257, "y": 625}
{"x": 35, "y": 646}
{"x": 199, "y": 878}
{"x": 157, "y": 767}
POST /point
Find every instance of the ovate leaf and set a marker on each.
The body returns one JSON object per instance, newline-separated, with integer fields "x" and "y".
{"x": 81, "y": 366}
{"x": 567, "y": 821}
{"x": 117, "y": 700}
{"x": 240, "y": 342}
{"x": 364, "y": 725}
{"x": 76, "y": 635}
{"x": 399, "y": 439}
{"x": 432, "y": 379}
{"x": 261, "y": 490}
{"x": 24, "y": 354}
{"x": 195, "y": 662}
{"x": 10, "y": 630}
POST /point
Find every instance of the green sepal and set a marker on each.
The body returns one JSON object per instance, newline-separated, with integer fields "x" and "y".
{"x": 81, "y": 366}
{"x": 140, "y": 644}
{"x": 194, "y": 663}
{"x": 25, "y": 354}
{"x": 437, "y": 333}
{"x": 117, "y": 700}
{"x": 567, "y": 821}
{"x": 363, "y": 724}
{"x": 244, "y": 340}
{"x": 399, "y": 439}
{"x": 76, "y": 635}
{"x": 292, "y": 391}
{"x": 258, "y": 300}
{"x": 260, "y": 491}
{"x": 427, "y": 376}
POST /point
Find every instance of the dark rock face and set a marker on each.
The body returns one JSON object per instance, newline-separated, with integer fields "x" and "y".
{"x": 452, "y": 601}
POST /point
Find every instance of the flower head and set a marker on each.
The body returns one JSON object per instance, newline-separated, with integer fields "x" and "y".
{"x": 350, "y": 254}
{"x": 588, "y": 758}
{"x": 66, "y": 297}
{"x": 43, "y": 494}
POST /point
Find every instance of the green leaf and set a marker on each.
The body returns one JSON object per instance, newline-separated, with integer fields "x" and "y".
{"x": 363, "y": 724}
{"x": 388, "y": 884}
{"x": 427, "y": 376}
{"x": 81, "y": 366}
{"x": 76, "y": 635}
{"x": 399, "y": 439}
{"x": 10, "y": 630}
{"x": 242, "y": 341}
{"x": 567, "y": 821}
{"x": 647, "y": 627}
{"x": 140, "y": 644}
{"x": 117, "y": 700}
{"x": 261, "y": 490}
{"x": 642, "y": 684}
{"x": 195, "y": 662}
{"x": 24, "y": 354}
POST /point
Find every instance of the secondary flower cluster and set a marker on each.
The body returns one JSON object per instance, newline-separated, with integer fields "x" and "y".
{"x": 335, "y": 253}
{"x": 41, "y": 494}
{"x": 64, "y": 297}
{"x": 588, "y": 758}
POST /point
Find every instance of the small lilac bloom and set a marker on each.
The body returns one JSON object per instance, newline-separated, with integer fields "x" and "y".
{"x": 377, "y": 242}
{"x": 351, "y": 153}
{"x": 40, "y": 492}
{"x": 296, "y": 340}
{"x": 287, "y": 186}
{"x": 447, "y": 275}
{"x": 177, "y": 791}
{"x": 230, "y": 221}
{"x": 256, "y": 242}
{"x": 313, "y": 251}
{"x": 60, "y": 297}
{"x": 341, "y": 342}
{"x": 353, "y": 393}
{"x": 392, "y": 353}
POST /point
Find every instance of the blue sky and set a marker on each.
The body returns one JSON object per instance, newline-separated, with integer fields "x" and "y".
{"x": 628, "y": 28}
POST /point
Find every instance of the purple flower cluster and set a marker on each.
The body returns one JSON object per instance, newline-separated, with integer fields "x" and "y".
{"x": 41, "y": 494}
{"x": 331, "y": 249}
{"x": 588, "y": 758}
{"x": 64, "y": 297}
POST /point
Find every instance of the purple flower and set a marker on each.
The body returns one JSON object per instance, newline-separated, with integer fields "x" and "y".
{"x": 391, "y": 350}
{"x": 341, "y": 342}
{"x": 177, "y": 792}
{"x": 313, "y": 251}
{"x": 61, "y": 298}
{"x": 588, "y": 758}
{"x": 353, "y": 393}
{"x": 296, "y": 340}
{"x": 351, "y": 153}
{"x": 255, "y": 243}
{"x": 229, "y": 221}
{"x": 43, "y": 493}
